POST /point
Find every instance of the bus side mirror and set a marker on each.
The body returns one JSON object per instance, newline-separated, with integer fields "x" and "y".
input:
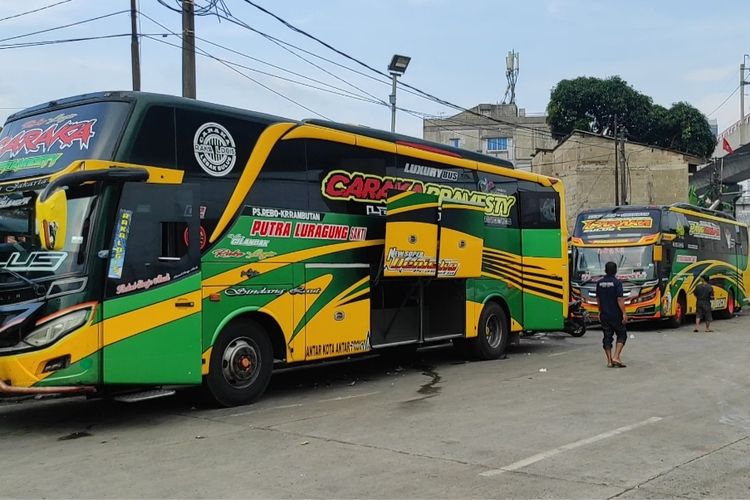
{"x": 658, "y": 253}
{"x": 52, "y": 219}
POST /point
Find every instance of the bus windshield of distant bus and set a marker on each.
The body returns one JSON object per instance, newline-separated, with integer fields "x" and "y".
{"x": 633, "y": 263}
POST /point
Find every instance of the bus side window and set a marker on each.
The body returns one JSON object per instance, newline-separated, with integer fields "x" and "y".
{"x": 540, "y": 209}
{"x": 155, "y": 142}
{"x": 504, "y": 212}
{"x": 282, "y": 182}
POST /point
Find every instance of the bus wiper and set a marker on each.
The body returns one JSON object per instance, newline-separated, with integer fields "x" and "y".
{"x": 39, "y": 290}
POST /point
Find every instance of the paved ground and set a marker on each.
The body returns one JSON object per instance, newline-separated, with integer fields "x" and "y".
{"x": 549, "y": 421}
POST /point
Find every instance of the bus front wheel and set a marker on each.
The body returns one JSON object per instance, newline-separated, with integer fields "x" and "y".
{"x": 241, "y": 364}
{"x": 492, "y": 333}
{"x": 679, "y": 312}
{"x": 728, "y": 312}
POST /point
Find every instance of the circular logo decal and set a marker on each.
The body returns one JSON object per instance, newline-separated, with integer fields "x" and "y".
{"x": 214, "y": 149}
{"x": 186, "y": 237}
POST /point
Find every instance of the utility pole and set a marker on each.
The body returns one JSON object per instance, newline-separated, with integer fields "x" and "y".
{"x": 624, "y": 170}
{"x": 743, "y": 132}
{"x": 617, "y": 170}
{"x": 135, "y": 53}
{"x": 188, "y": 48}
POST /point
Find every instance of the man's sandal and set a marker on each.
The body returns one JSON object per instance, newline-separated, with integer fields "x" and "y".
{"x": 617, "y": 364}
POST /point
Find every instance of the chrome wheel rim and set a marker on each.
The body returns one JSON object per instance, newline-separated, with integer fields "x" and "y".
{"x": 493, "y": 331}
{"x": 240, "y": 363}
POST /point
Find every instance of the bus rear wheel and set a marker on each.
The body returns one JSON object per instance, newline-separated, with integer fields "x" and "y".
{"x": 492, "y": 333}
{"x": 241, "y": 364}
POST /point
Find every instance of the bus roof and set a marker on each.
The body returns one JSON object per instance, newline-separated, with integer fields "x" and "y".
{"x": 413, "y": 141}
{"x": 145, "y": 98}
{"x": 152, "y": 98}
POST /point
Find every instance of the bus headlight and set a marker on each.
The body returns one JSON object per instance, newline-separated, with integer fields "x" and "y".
{"x": 54, "y": 329}
{"x": 644, "y": 298}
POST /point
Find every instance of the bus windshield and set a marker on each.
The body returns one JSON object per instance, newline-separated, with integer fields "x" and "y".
{"x": 45, "y": 143}
{"x": 633, "y": 263}
{"x": 20, "y": 251}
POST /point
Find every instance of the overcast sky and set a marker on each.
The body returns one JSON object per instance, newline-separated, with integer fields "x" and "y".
{"x": 670, "y": 50}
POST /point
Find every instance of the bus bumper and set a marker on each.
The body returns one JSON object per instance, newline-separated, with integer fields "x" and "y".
{"x": 17, "y": 377}
{"x": 12, "y": 389}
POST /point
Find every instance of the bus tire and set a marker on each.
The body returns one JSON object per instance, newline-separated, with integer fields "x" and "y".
{"x": 728, "y": 312}
{"x": 676, "y": 320}
{"x": 493, "y": 331}
{"x": 241, "y": 364}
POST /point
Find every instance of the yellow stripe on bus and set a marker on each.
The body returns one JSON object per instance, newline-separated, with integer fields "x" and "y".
{"x": 412, "y": 208}
{"x": 258, "y": 157}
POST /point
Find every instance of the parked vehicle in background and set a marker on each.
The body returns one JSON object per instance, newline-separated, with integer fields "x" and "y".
{"x": 660, "y": 252}
{"x": 148, "y": 240}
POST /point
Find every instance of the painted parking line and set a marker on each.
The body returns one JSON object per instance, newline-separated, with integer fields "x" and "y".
{"x": 298, "y": 405}
{"x": 567, "y": 447}
{"x": 344, "y": 398}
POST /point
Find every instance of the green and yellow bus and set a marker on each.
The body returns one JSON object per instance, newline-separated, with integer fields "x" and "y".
{"x": 661, "y": 251}
{"x": 151, "y": 241}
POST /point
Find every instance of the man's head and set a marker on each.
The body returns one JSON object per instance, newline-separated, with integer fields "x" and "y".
{"x": 610, "y": 268}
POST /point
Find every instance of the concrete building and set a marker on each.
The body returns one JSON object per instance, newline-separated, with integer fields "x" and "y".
{"x": 516, "y": 139}
{"x": 585, "y": 162}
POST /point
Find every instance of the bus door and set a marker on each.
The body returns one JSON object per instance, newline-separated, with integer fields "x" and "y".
{"x": 543, "y": 263}
{"x": 152, "y": 308}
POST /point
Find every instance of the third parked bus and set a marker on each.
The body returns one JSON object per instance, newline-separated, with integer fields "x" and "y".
{"x": 660, "y": 252}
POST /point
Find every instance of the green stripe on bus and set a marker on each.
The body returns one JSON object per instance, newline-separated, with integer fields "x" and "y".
{"x": 541, "y": 242}
{"x": 122, "y": 305}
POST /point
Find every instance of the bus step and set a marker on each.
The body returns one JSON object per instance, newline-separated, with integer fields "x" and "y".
{"x": 135, "y": 397}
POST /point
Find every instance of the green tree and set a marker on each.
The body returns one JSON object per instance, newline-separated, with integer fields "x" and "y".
{"x": 687, "y": 129}
{"x": 591, "y": 104}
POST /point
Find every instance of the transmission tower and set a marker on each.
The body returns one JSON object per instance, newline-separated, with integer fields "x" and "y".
{"x": 511, "y": 73}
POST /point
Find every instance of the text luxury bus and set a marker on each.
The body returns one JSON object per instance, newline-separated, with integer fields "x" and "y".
{"x": 148, "y": 240}
{"x": 660, "y": 252}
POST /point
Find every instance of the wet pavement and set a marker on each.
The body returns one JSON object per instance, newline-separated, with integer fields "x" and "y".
{"x": 551, "y": 420}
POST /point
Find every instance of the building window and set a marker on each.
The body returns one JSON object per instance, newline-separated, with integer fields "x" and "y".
{"x": 497, "y": 144}
{"x": 456, "y": 143}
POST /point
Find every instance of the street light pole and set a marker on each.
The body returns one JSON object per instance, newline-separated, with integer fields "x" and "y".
{"x": 397, "y": 68}
{"x": 393, "y": 102}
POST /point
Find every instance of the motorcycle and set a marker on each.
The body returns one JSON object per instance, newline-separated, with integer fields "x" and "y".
{"x": 578, "y": 317}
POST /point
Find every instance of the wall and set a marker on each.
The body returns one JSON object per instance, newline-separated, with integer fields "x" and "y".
{"x": 585, "y": 164}
{"x": 472, "y": 132}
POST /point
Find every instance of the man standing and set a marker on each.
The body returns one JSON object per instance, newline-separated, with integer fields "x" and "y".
{"x": 612, "y": 315}
{"x": 703, "y": 295}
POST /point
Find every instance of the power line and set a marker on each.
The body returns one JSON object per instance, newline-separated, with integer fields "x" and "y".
{"x": 336, "y": 90}
{"x": 420, "y": 93}
{"x": 199, "y": 10}
{"x": 35, "y": 10}
{"x": 219, "y": 60}
{"x": 342, "y": 93}
{"x": 205, "y": 53}
{"x": 39, "y": 43}
{"x": 65, "y": 25}
{"x": 242, "y": 54}
{"x": 724, "y": 101}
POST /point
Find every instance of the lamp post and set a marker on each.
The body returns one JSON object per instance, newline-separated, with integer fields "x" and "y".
{"x": 396, "y": 68}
